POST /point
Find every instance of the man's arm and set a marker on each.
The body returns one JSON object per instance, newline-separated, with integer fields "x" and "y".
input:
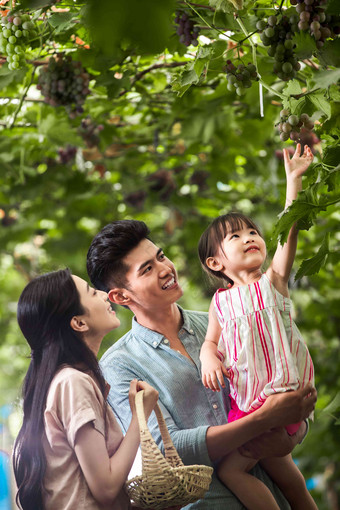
{"x": 278, "y": 410}
{"x": 274, "y": 443}
{"x": 206, "y": 444}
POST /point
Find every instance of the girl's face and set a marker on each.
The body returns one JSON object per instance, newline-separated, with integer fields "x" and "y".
{"x": 243, "y": 250}
{"x": 99, "y": 318}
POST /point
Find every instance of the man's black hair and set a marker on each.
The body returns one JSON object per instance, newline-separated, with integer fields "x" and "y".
{"x": 105, "y": 258}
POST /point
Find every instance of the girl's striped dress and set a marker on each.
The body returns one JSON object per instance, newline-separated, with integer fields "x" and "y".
{"x": 260, "y": 343}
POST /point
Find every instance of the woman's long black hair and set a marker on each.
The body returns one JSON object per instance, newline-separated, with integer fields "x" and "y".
{"x": 45, "y": 309}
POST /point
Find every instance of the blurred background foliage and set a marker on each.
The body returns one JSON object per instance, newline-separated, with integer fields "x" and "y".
{"x": 160, "y": 138}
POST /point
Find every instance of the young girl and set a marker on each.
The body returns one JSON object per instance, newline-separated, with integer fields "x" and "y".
{"x": 252, "y": 339}
{"x": 70, "y": 452}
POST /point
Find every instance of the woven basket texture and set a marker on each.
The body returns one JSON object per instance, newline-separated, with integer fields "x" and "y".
{"x": 165, "y": 481}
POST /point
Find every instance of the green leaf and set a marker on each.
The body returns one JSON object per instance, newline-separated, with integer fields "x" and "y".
{"x": 305, "y": 45}
{"x": 293, "y": 88}
{"x": 332, "y": 7}
{"x": 222, "y": 5}
{"x": 61, "y": 21}
{"x": 303, "y": 212}
{"x": 60, "y": 132}
{"x": 324, "y": 79}
{"x": 320, "y": 101}
{"x": 333, "y": 406}
{"x": 332, "y": 155}
{"x": 313, "y": 265}
{"x": 145, "y": 25}
{"x": 330, "y": 53}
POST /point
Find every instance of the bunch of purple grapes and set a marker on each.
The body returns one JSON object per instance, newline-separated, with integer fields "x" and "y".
{"x": 240, "y": 77}
{"x": 89, "y": 131}
{"x": 290, "y": 125}
{"x": 67, "y": 154}
{"x": 277, "y": 33}
{"x": 187, "y": 31}
{"x": 312, "y": 17}
{"x": 16, "y": 34}
{"x": 64, "y": 82}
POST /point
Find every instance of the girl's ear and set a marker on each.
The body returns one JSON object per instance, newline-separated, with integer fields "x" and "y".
{"x": 119, "y": 296}
{"x": 79, "y": 324}
{"x": 214, "y": 264}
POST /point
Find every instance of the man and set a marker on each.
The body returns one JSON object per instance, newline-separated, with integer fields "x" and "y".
{"x": 163, "y": 349}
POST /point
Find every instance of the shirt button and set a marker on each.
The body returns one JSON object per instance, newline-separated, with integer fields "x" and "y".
{"x": 154, "y": 344}
{"x": 191, "y": 331}
{"x": 215, "y": 406}
{"x": 166, "y": 341}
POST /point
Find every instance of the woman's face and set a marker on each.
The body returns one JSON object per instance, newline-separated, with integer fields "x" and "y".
{"x": 99, "y": 316}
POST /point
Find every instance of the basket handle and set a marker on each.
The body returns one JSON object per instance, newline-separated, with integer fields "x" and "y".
{"x": 170, "y": 451}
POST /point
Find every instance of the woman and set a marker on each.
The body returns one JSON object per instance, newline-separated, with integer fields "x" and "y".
{"x": 70, "y": 452}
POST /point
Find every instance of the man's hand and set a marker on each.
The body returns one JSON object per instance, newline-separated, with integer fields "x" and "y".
{"x": 274, "y": 443}
{"x": 289, "y": 407}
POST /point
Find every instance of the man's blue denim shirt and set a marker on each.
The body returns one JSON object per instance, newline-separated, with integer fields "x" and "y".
{"x": 188, "y": 407}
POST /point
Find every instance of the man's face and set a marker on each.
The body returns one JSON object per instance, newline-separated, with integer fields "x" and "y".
{"x": 151, "y": 278}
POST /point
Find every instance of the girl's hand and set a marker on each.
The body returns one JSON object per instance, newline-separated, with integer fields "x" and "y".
{"x": 212, "y": 373}
{"x": 298, "y": 165}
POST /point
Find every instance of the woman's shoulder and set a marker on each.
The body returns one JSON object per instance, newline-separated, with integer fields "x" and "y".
{"x": 68, "y": 376}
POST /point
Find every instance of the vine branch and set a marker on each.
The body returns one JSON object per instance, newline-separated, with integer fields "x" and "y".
{"x": 22, "y": 99}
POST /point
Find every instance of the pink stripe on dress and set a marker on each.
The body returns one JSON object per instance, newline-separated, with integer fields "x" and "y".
{"x": 218, "y": 306}
{"x": 283, "y": 384}
{"x": 264, "y": 346}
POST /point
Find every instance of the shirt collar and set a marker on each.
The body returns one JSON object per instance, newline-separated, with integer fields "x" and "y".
{"x": 152, "y": 337}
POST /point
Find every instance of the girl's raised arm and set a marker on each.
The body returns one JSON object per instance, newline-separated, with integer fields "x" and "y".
{"x": 283, "y": 260}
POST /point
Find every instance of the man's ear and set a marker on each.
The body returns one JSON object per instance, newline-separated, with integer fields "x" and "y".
{"x": 79, "y": 324}
{"x": 119, "y": 296}
{"x": 214, "y": 264}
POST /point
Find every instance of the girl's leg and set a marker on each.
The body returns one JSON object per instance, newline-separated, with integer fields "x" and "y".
{"x": 254, "y": 494}
{"x": 284, "y": 472}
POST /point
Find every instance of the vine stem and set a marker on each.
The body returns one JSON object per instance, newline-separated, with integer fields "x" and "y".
{"x": 22, "y": 99}
{"x": 244, "y": 30}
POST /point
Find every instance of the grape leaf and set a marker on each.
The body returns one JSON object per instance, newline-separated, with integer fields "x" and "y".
{"x": 332, "y": 155}
{"x": 305, "y": 45}
{"x": 332, "y": 7}
{"x": 61, "y": 21}
{"x": 303, "y": 211}
{"x": 333, "y": 406}
{"x": 322, "y": 104}
{"x": 314, "y": 264}
{"x": 225, "y": 5}
{"x": 330, "y": 53}
{"x": 293, "y": 88}
{"x": 325, "y": 78}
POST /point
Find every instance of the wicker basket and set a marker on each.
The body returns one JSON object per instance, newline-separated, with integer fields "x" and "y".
{"x": 165, "y": 481}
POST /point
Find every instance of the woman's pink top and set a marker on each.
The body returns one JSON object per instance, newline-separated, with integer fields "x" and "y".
{"x": 260, "y": 343}
{"x": 73, "y": 400}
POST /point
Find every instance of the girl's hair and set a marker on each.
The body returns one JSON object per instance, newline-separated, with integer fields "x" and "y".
{"x": 45, "y": 309}
{"x": 212, "y": 238}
